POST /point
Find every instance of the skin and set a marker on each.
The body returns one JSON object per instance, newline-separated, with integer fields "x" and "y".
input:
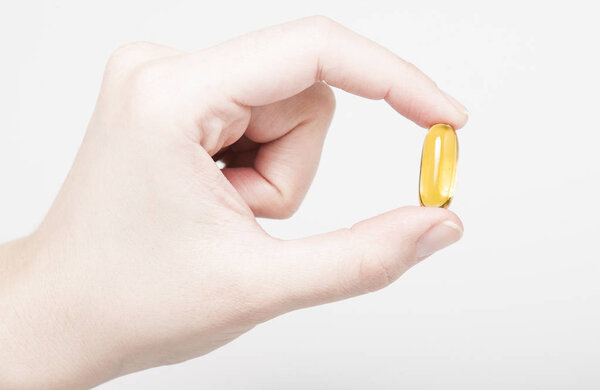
{"x": 151, "y": 254}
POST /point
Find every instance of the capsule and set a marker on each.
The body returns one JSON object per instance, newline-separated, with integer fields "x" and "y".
{"x": 438, "y": 166}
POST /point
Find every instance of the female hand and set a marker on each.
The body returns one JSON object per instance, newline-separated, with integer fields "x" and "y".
{"x": 151, "y": 254}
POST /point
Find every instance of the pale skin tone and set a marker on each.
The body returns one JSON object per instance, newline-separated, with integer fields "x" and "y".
{"x": 152, "y": 255}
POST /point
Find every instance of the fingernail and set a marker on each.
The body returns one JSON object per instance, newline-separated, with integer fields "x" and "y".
{"x": 456, "y": 104}
{"x": 438, "y": 237}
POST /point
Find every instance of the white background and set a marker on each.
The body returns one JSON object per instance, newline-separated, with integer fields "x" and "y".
{"x": 515, "y": 304}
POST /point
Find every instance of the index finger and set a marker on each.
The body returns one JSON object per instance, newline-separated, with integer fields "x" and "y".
{"x": 280, "y": 61}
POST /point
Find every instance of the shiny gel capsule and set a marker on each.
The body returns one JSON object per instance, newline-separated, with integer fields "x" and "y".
{"x": 438, "y": 166}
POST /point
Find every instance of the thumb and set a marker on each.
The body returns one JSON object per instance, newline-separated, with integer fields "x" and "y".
{"x": 364, "y": 258}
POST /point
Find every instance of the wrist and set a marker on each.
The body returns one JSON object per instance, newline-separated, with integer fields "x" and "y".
{"x": 44, "y": 335}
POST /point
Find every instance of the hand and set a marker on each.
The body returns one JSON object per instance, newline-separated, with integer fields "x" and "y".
{"x": 151, "y": 254}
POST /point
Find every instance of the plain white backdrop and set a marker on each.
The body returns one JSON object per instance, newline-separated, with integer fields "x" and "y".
{"x": 515, "y": 304}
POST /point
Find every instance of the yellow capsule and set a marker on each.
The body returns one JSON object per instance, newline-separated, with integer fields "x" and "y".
{"x": 438, "y": 166}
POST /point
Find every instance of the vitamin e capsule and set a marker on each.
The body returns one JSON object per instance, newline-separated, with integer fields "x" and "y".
{"x": 438, "y": 166}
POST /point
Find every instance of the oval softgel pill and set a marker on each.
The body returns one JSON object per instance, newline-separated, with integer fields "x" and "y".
{"x": 438, "y": 166}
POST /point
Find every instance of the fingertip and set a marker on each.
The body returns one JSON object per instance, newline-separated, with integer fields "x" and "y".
{"x": 449, "y": 216}
{"x": 447, "y": 114}
{"x": 437, "y": 229}
{"x": 428, "y": 109}
{"x": 462, "y": 111}
{"x": 437, "y": 237}
{"x": 458, "y": 105}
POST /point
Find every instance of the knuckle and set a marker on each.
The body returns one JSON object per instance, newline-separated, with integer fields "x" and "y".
{"x": 286, "y": 207}
{"x": 152, "y": 95}
{"x": 127, "y": 55}
{"x": 145, "y": 74}
{"x": 321, "y": 22}
{"x": 134, "y": 47}
{"x": 410, "y": 67}
{"x": 144, "y": 91}
{"x": 323, "y": 33}
{"x": 322, "y": 99}
{"x": 320, "y": 30}
{"x": 374, "y": 272}
{"x": 283, "y": 201}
